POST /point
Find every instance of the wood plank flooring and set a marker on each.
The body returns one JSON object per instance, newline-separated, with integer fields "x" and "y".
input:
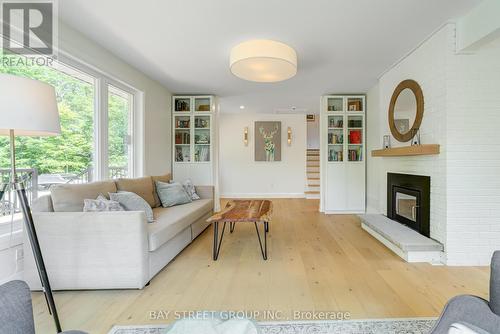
{"x": 316, "y": 263}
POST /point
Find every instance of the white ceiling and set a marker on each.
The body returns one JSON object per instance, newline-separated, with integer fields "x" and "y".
{"x": 342, "y": 45}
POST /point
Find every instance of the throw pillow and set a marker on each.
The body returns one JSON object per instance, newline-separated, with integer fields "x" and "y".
{"x": 133, "y": 202}
{"x": 171, "y": 194}
{"x": 162, "y": 178}
{"x": 190, "y": 189}
{"x": 101, "y": 204}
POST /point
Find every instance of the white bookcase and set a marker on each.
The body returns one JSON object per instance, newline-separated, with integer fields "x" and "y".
{"x": 194, "y": 121}
{"x": 343, "y": 154}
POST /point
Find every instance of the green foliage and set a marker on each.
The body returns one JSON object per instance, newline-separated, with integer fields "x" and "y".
{"x": 72, "y": 151}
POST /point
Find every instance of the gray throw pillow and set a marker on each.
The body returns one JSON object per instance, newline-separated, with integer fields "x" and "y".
{"x": 101, "y": 204}
{"x": 133, "y": 202}
{"x": 190, "y": 189}
{"x": 171, "y": 194}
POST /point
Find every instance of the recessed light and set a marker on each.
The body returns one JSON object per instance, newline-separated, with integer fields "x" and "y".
{"x": 242, "y": 107}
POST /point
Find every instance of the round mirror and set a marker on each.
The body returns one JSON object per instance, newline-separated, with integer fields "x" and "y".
{"x": 406, "y": 110}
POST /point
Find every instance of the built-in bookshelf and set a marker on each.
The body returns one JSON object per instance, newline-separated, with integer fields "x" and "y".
{"x": 193, "y": 137}
{"x": 343, "y": 153}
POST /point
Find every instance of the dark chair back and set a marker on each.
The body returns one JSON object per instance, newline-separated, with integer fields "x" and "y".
{"x": 495, "y": 283}
{"x": 16, "y": 313}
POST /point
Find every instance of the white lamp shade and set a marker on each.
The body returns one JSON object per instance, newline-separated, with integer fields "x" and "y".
{"x": 28, "y": 107}
{"x": 263, "y": 61}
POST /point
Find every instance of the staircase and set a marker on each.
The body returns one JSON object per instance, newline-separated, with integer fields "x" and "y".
{"x": 312, "y": 171}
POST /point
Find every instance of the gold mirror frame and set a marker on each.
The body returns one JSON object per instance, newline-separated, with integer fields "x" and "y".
{"x": 419, "y": 96}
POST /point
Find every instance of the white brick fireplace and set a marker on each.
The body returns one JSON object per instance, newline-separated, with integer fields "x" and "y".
{"x": 462, "y": 114}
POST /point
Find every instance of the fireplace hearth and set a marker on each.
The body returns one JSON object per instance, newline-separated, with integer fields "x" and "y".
{"x": 408, "y": 201}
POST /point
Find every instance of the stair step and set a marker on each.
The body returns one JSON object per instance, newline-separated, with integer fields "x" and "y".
{"x": 312, "y": 192}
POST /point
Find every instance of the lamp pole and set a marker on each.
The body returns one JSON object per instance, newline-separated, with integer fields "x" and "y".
{"x": 30, "y": 229}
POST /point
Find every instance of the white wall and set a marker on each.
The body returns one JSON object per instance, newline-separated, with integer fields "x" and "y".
{"x": 462, "y": 108}
{"x": 313, "y": 133}
{"x": 473, "y": 155}
{"x": 241, "y": 176}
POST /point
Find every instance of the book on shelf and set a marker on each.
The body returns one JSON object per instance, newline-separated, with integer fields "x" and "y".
{"x": 334, "y": 155}
{"x": 182, "y": 138}
{"x": 355, "y": 154}
{"x": 355, "y": 123}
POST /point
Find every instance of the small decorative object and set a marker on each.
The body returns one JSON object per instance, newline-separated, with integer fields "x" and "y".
{"x": 354, "y": 105}
{"x": 311, "y": 118}
{"x": 355, "y": 137}
{"x": 289, "y": 136}
{"x": 416, "y": 137}
{"x": 245, "y": 135}
{"x": 387, "y": 141}
{"x": 267, "y": 141}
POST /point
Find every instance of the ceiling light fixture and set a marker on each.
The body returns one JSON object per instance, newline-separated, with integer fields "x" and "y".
{"x": 263, "y": 61}
{"x": 242, "y": 107}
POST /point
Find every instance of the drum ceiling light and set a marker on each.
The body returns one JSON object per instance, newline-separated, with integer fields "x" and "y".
{"x": 263, "y": 61}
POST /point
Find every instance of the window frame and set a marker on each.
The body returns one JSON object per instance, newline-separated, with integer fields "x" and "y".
{"x": 102, "y": 82}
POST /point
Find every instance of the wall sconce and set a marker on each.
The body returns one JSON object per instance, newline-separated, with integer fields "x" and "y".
{"x": 245, "y": 135}
{"x": 289, "y": 136}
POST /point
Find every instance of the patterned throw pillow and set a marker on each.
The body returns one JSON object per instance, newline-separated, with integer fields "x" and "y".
{"x": 133, "y": 202}
{"x": 190, "y": 189}
{"x": 101, "y": 204}
{"x": 172, "y": 194}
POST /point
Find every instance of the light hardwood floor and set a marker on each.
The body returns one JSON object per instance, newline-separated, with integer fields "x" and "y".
{"x": 316, "y": 262}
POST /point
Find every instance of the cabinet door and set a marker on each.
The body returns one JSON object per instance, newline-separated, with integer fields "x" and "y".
{"x": 355, "y": 187}
{"x": 336, "y": 188}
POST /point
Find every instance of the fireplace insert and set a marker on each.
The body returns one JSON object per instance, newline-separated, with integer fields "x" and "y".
{"x": 408, "y": 201}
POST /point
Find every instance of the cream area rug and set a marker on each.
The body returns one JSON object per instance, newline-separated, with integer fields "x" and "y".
{"x": 368, "y": 326}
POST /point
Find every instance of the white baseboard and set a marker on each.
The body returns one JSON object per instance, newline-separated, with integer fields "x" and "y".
{"x": 261, "y": 195}
{"x": 342, "y": 212}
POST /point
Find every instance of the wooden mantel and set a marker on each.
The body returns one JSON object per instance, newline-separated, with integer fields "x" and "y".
{"x": 426, "y": 149}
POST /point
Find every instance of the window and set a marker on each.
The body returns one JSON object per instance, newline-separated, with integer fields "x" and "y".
{"x": 120, "y": 105}
{"x": 66, "y": 157}
{"x": 97, "y": 138}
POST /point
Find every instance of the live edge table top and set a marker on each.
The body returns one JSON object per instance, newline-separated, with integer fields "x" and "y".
{"x": 252, "y": 211}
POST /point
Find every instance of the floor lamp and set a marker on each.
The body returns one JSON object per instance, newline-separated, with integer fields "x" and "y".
{"x": 29, "y": 108}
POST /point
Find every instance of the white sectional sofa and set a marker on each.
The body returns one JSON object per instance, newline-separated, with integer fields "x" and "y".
{"x": 110, "y": 250}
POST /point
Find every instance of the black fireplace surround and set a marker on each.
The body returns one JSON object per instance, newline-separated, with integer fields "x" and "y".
{"x": 408, "y": 201}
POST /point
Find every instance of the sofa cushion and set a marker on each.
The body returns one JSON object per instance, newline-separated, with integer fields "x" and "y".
{"x": 142, "y": 186}
{"x": 70, "y": 197}
{"x": 162, "y": 178}
{"x": 101, "y": 204}
{"x": 172, "y": 194}
{"x": 170, "y": 221}
{"x": 132, "y": 202}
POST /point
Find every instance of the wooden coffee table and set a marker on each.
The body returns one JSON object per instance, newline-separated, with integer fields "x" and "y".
{"x": 239, "y": 211}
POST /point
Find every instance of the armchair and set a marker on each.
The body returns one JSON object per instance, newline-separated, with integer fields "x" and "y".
{"x": 474, "y": 312}
{"x": 16, "y": 312}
